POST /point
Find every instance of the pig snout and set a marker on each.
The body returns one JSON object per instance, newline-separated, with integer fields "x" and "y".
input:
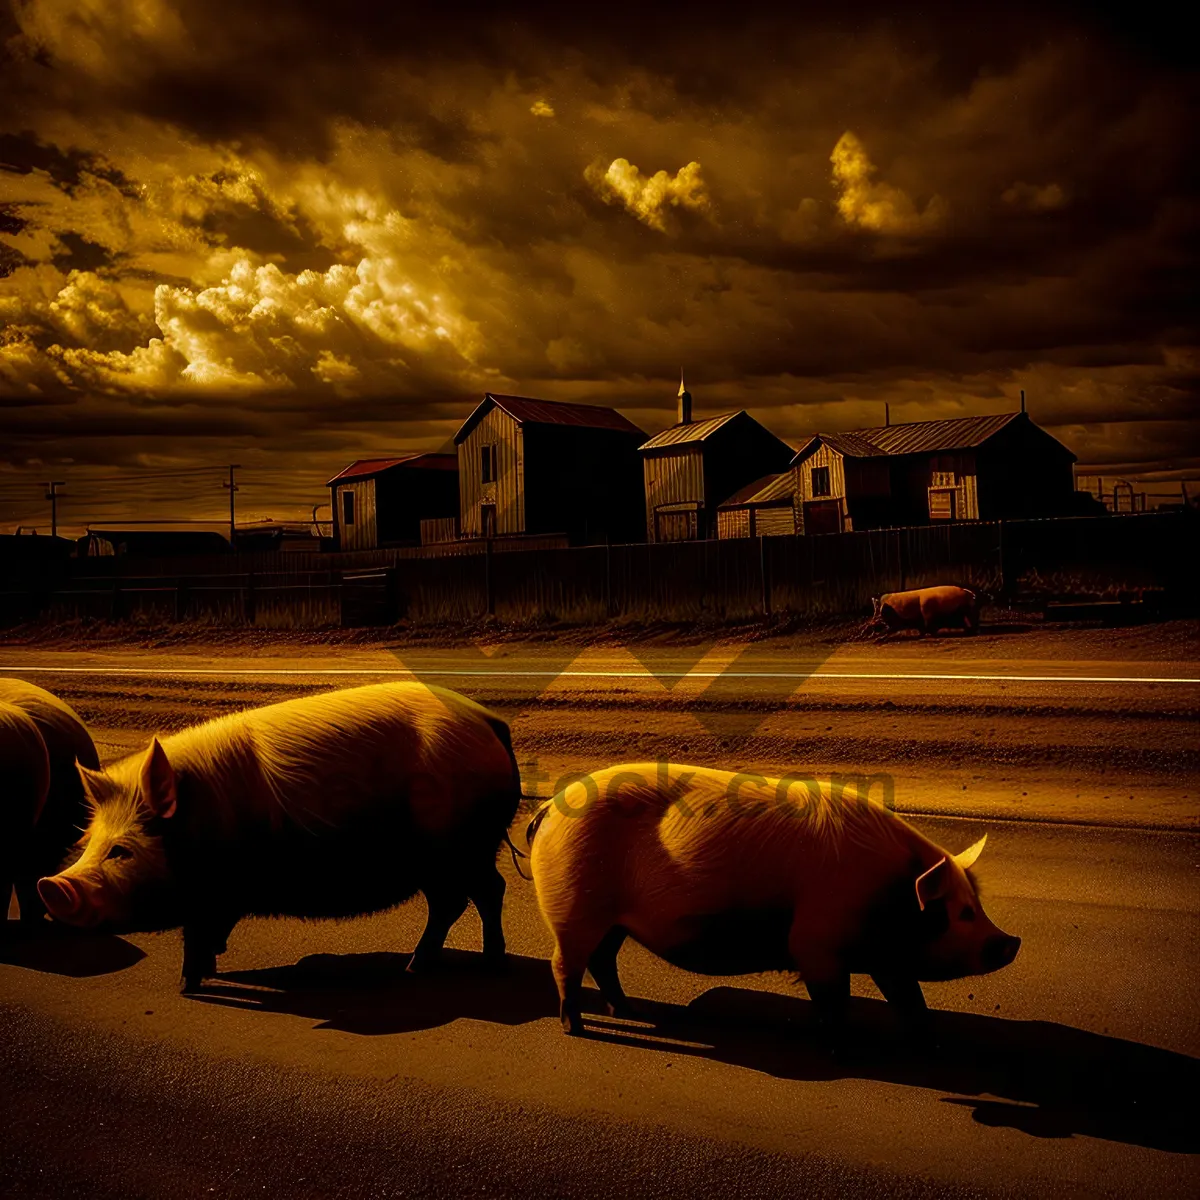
{"x": 999, "y": 950}
{"x": 67, "y": 901}
{"x": 60, "y": 896}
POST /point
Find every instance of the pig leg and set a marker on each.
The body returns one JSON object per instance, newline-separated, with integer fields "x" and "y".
{"x": 446, "y": 905}
{"x": 904, "y": 994}
{"x": 572, "y": 952}
{"x": 828, "y": 983}
{"x": 603, "y": 966}
{"x": 203, "y": 940}
{"x": 488, "y": 897}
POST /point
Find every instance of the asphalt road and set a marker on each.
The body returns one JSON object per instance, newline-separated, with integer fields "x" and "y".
{"x": 316, "y": 1067}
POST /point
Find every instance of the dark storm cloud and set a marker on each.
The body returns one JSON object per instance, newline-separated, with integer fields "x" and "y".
{"x": 282, "y": 226}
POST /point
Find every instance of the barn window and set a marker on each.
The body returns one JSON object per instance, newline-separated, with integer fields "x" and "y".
{"x": 487, "y": 457}
{"x": 820, "y": 481}
{"x": 347, "y": 508}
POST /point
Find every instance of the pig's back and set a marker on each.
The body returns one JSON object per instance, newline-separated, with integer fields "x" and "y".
{"x": 335, "y": 758}
{"x": 676, "y": 843}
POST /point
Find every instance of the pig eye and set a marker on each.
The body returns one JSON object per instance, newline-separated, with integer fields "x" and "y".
{"x": 119, "y": 852}
{"x": 967, "y": 914}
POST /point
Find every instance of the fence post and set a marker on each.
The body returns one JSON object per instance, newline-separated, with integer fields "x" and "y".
{"x": 487, "y": 577}
{"x": 762, "y": 569}
{"x": 1003, "y": 563}
{"x": 900, "y": 559}
{"x": 249, "y": 598}
{"x": 608, "y": 604}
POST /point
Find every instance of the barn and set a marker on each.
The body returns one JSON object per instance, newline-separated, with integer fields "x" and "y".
{"x": 692, "y": 467}
{"x": 924, "y": 472}
{"x": 763, "y": 508}
{"x": 528, "y": 466}
{"x": 382, "y": 501}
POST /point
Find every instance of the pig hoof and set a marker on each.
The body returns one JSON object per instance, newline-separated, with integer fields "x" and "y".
{"x": 422, "y": 965}
{"x": 188, "y": 985}
{"x": 623, "y": 1011}
{"x": 572, "y": 1025}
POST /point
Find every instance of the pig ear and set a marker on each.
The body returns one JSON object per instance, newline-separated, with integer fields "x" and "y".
{"x": 158, "y": 782}
{"x": 96, "y": 785}
{"x": 967, "y": 858}
{"x": 932, "y": 883}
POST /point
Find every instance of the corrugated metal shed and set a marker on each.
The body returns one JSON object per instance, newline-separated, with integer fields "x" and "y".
{"x": 915, "y": 437}
{"x": 529, "y": 411}
{"x": 365, "y": 468}
{"x": 923, "y": 437}
{"x": 694, "y": 431}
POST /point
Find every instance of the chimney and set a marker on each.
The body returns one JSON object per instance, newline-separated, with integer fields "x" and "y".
{"x": 887, "y": 414}
{"x": 685, "y": 402}
{"x": 1022, "y": 399}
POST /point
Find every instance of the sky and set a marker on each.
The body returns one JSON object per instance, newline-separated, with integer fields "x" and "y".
{"x": 291, "y": 234}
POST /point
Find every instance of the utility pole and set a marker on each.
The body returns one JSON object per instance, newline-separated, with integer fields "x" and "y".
{"x": 233, "y": 487}
{"x": 52, "y": 496}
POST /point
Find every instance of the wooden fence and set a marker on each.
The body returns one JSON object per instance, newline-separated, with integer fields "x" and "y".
{"x": 729, "y": 579}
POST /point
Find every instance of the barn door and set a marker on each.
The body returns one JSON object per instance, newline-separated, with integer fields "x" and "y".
{"x": 823, "y": 516}
{"x": 676, "y": 526}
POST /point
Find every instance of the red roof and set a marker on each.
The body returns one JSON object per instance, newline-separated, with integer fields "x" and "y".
{"x": 365, "y": 468}
{"x": 528, "y": 411}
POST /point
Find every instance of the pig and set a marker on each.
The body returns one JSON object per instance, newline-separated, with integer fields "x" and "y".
{"x": 42, "y": 806}
{"x": 328, "y": 806}
{"x": 732, "y": 874}
{"x": 926, "y": 609}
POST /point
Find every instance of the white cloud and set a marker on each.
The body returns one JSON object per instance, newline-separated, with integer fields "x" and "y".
{"x": 650, "y": 198}
{"x": 871, "y": 203}
{"x": 541, "y": 108}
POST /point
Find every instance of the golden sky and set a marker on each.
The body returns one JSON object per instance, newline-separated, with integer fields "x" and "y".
{"x": 289, "y": 234}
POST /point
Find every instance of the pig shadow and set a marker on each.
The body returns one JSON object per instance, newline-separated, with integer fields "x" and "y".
{"x": 1044, "y": 1079}
{"x": 57, "y": 950}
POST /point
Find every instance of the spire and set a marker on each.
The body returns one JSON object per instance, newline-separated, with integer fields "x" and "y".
{"x": 685, "y": 402}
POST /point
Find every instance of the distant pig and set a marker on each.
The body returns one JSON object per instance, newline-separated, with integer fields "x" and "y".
{"x": 41, "y": 796}
{"x": 927, "y": 609}
{"x": 332, "y": 805}
{"x": 727, "y": 874}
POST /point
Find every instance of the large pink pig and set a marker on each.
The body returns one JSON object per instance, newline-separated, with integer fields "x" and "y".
{"x": 728, "y": 874}
{"x": 41, "y": 797}
{"x": 331, "y": 805}
{"x": 927, "y": 609}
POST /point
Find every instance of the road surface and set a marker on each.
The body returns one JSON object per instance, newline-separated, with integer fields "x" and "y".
{"x": 315, "y": 1067}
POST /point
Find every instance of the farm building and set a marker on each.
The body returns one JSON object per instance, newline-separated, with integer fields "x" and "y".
{"x": 382, "y": 501}
{"x": 763, "y": 508}
{"x": 283, "y": 536}
{"x": 961, "y": 469}
{"x": 529, "y": 466}
{"x": 149, "y": 543}
{"x": 690, "y": 468}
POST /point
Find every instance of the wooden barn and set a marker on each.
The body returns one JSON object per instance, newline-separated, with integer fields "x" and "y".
{"x": 528, "y": 466}
{"x": 922, "y": 472}
{"x": 692, "y": 467}
{"x": 763, "y": 508}
{"x": 382, "y": 501}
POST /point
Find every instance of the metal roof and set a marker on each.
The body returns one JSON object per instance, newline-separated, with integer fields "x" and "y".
{"x": 915, "y": 437}
{"x": 694, "y": 431}
{"x": 529, "y": 411}
{"x": 767, "y": 490}
{"x": 365, "y": 468}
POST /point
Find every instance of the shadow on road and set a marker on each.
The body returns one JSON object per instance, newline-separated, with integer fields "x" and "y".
{"x": 56, "y": 950}
{"x": 1039, "y": 1077}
